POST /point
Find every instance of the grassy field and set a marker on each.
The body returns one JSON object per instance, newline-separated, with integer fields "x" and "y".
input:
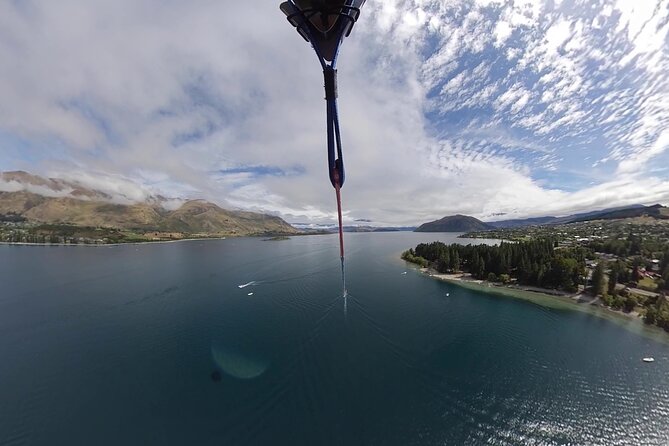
{"x": 648, "y": 284}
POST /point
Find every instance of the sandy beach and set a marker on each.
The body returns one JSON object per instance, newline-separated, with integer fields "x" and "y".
{"x": 553, "y": 299}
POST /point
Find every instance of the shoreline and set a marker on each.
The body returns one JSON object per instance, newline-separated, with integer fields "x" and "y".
{"x": 102, "y": 245}
{"x": 554, "y": 299}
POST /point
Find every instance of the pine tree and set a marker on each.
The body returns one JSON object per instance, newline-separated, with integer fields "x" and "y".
{"x": 598, "y": 279}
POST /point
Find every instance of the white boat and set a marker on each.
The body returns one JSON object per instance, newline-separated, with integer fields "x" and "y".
{"x": 246, "y": 284}
{"x": 448, "y": 294}
{"x": 250, "y": 294}
{"x": 404, "y": 273}
{"x": 649, "y": 359}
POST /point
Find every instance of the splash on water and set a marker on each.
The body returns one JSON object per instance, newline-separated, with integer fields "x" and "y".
{"x": 247, "y": 284}
{"x": 345, "y": 303}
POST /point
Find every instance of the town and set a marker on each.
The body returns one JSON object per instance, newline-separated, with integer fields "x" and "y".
{"x": 626, "y": 260}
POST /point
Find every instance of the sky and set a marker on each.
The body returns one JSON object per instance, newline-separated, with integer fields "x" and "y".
{"x": 496, "y": 109}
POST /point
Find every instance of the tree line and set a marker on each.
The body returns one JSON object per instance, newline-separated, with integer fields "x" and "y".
{"x": 534, "y": 262}
{"x": 627, "y": 246}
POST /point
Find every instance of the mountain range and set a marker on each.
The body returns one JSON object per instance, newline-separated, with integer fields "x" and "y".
{"x": 30, "y": 198}
{"x": 637, "y": 210}
{"x": 54, "y": 201}
{"x": 464, "y": 223}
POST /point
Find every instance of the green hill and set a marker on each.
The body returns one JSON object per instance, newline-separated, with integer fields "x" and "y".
{"x": 454, "y": 223}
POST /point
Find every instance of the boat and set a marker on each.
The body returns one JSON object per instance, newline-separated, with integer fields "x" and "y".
{"x": 649, "y": 359}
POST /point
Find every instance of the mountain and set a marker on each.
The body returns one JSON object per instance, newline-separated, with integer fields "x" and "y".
{"x": 636, "y": 210}
{"x": 455, "y": 223}
{"x": 314, "y": 228}
{"x": 51, "y": 187}
{"x": 655, "y": 211}
{"x": 518, "y": 223}
{"x": 52, "y": 201}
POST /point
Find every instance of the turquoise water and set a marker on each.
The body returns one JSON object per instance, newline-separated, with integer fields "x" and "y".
{"x": 157, "y": 344}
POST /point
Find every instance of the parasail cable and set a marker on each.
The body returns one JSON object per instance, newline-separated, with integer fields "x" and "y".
{"x": 326, "y": 39}
{"x": 341, "y": 237}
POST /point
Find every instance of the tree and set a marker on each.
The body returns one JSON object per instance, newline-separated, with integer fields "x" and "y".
{"x": 455, "y": 261}
{"x": 613, "y": 277}
{"x": 598, "y": 279}
{"x": 630, "y": 303}
{"x": 444, "y": 262}
{"x": 477, "y": 267}
{"x": 650, "y": 316}
{"x": 562, "y": 274}
{"x": 664, "y": 261}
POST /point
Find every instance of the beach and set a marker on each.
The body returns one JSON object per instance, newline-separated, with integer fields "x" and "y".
{"x": 555, "y": 299}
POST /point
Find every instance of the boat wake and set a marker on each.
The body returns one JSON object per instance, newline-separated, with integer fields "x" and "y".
{"x": 345, "y": 303}
{"x": 253, "y": 282}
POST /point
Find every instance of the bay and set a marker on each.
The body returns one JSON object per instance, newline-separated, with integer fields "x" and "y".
{"x": 158, "y": 344}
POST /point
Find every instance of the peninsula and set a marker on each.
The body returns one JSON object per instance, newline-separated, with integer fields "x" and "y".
{"x": 621, "y": 282}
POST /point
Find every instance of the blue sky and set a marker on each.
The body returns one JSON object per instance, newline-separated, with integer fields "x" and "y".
{"x": 488, "y": 108}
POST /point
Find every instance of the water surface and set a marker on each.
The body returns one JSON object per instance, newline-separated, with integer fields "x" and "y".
{"x": 157, "y": 344}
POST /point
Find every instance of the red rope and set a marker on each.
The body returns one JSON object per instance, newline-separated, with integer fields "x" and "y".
{"x": 341, "y": 228}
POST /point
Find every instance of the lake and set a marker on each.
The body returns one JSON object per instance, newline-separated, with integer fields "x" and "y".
{"x": 158, "y": 344}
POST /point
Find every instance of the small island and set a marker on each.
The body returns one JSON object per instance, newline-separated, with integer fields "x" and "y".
{"x": 553, "y": 268}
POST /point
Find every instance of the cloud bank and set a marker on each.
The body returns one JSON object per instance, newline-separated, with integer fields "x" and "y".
{"x": 484, "y": 107}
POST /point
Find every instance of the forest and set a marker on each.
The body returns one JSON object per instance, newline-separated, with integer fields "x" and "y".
{"x": 535, "y": 262}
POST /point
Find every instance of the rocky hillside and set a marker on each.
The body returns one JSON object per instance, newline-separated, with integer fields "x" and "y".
{"x": 53, "y": 201}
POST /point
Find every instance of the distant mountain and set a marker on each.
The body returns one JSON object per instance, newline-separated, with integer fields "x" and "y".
{"x": 655, "y": 211}
{"x": 594, "y": 215}
{"x": 53, "y": 201}
{"x": 50, "y": 187}
{"x": 312, "y": 228}
{"x": 378, "y": 228}
{"x": 455, "y": 223}
{"x": 635, "y": 210}
{"x": 518, "y": 223}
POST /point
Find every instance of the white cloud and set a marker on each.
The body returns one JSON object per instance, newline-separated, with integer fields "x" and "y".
{"x": 502, "y": 32}
{"x": 445, "y": 106}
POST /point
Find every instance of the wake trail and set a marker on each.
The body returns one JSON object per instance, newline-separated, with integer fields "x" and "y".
{"x": 253, "y": 282}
